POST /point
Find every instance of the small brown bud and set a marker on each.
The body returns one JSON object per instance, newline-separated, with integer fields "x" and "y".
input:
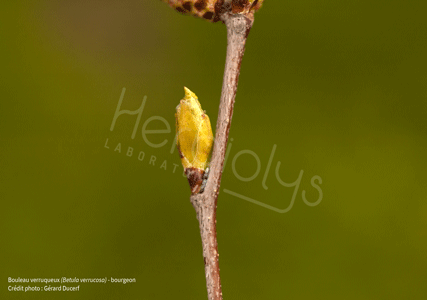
{"x": 211, "y": 10}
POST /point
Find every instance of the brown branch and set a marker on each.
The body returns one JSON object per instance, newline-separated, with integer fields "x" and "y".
{"x": 238, "y": 27}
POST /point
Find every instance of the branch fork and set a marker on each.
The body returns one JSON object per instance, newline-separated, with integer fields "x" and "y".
{"x": 238, "y": 16}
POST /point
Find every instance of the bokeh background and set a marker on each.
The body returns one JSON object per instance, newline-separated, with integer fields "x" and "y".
{"x": 339, "y": 87}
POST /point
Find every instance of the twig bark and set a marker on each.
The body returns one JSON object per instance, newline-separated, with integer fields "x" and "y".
{"x": 238, "y": 27}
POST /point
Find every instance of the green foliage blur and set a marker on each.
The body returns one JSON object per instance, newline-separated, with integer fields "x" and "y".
{"x": 337, "y": 88}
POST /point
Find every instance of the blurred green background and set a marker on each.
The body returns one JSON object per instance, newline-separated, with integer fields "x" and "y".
{"x": 339, "y": 87}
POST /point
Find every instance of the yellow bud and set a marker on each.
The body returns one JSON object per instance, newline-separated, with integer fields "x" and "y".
{"x": 194, "y": 138}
